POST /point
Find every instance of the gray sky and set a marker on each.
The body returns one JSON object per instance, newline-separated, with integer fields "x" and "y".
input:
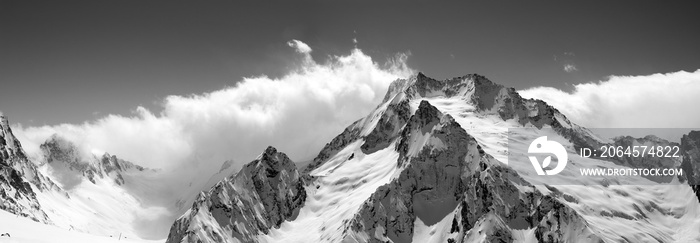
{"x": 77, "y": 61}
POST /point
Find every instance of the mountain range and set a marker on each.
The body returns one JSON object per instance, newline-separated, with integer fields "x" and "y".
{"x": 431, "y": 163}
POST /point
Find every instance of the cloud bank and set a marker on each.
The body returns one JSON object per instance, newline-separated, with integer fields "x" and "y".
{"x": 297, "y": 113}
{"x": 668, "y": 100}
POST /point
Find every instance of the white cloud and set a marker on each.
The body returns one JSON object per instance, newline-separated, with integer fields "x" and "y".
{"x": 299, "y": 46}
{"x": 297, "y": 113}
{"x": 570, "y": 68}
{"x": 667, "y": 100}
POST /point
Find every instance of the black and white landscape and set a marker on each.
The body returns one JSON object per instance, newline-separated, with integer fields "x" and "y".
{"x": 344, "y": 122}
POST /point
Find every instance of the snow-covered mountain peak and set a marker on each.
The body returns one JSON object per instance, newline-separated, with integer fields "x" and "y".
{"x": 265, "y": 193}
{"x": 69, "y": 165}
{"x": 471, "y": 86}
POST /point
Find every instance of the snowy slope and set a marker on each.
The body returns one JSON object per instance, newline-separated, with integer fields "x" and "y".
{"x": 94, "y": 198}
{"x": 25, "y": 230}
{"x": 103, "y": 208}
{"x": 343, "y": 185}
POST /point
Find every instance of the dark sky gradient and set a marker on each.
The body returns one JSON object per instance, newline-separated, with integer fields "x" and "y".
{"x": 76, "y": 61}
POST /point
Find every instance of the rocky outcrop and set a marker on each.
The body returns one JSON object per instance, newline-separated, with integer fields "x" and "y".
{"x": 388, "y": 127}
{"x": 16, "y": 173}
{"x": 690, "y": 150}
{"x": 265, "y": 193}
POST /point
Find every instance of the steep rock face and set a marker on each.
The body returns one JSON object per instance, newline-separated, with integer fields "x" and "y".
{"x": 690, "y": 150}
{"x": 431, "y": 149}
{"x": 388, "y": 127}
{"x": 196, "y": 185}
{"x": 12, "y": 154}
{"x": 17, "y": 196}
{"x": 16, "y": 174}
{"x": 9, "y": 145}
{"x": 447, "y": 174}
{"x": 265, "y": 193}
{"x": 69, "y": 166}
{"x": 377, "y": 130}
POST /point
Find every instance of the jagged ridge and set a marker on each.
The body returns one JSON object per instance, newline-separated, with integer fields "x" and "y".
{"x": 70, "y": 166}
{"x": 261, "y": 196}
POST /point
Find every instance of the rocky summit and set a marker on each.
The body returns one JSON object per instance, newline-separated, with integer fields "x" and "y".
{"x": 265, "y": 193}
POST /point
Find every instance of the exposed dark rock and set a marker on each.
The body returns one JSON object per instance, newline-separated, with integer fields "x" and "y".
{"x": 388, "y": 127}
{"x": 690, "y": 150}
{"x": 16, "y": 173}
{"x": 265, "y": 193}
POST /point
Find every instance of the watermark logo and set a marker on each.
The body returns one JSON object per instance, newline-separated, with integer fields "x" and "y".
{"x": 542, "y": 146}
